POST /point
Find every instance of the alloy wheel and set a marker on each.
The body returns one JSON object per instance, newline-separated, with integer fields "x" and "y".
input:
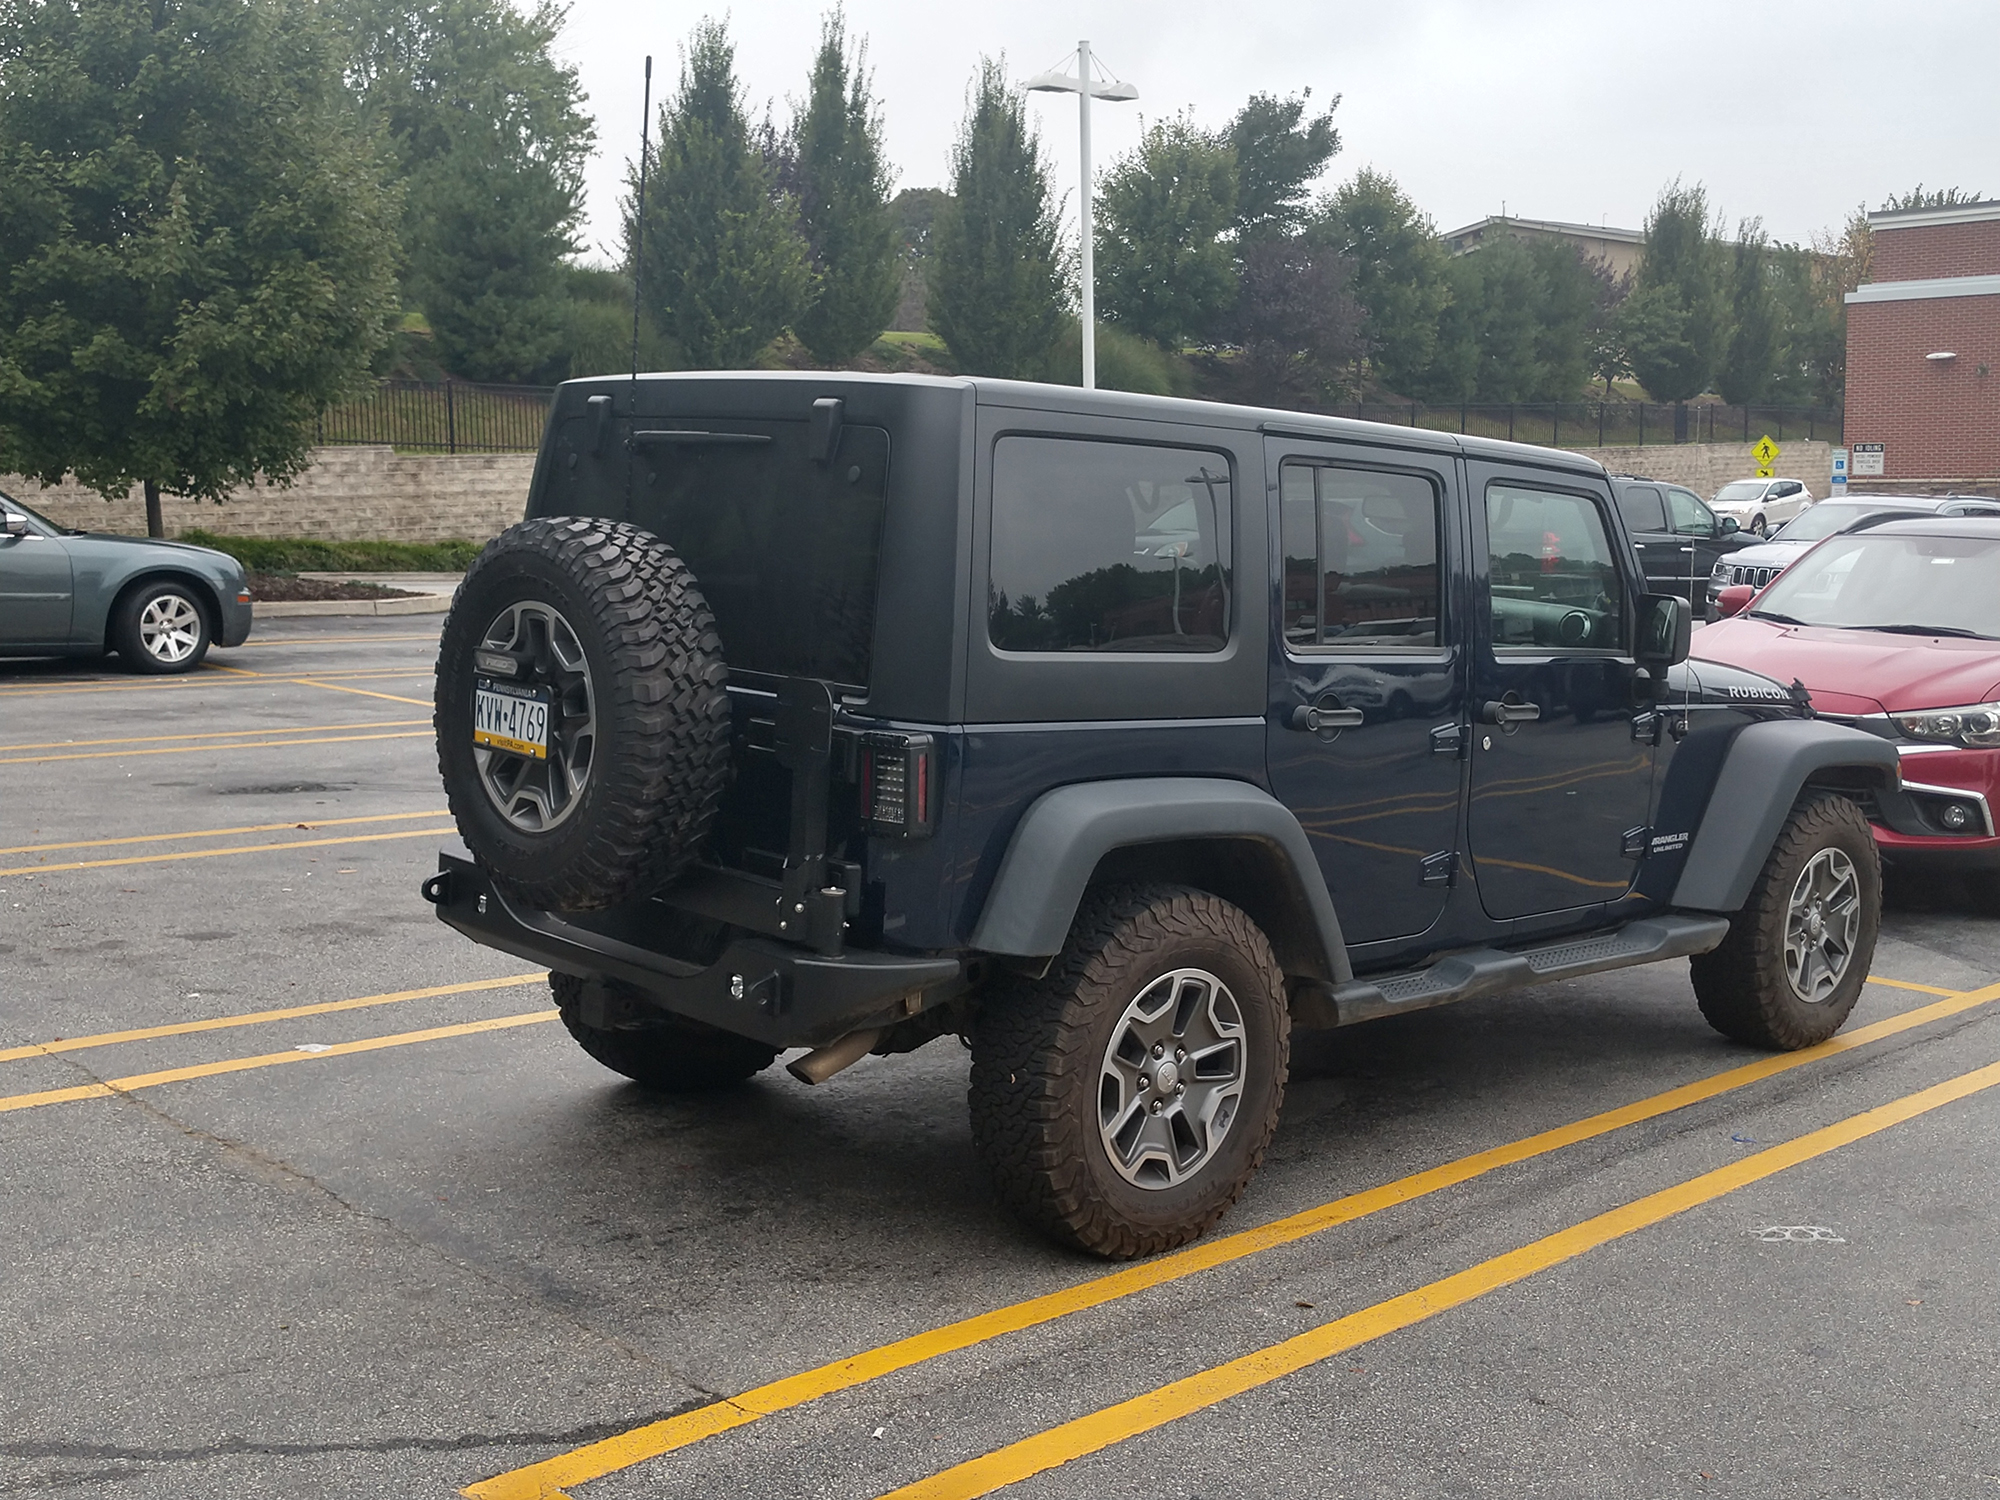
{"x": 1171, "y": 1079}
{"x": 1822, "y": 921}
{"x": 170, "y": 628}
{"x": 536, "y": 794}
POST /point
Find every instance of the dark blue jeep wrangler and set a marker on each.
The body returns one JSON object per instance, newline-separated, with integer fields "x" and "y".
{"x": 1115, "y": 735}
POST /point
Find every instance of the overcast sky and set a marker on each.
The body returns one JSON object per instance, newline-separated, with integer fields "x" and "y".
{"x": 1554, "y": 109}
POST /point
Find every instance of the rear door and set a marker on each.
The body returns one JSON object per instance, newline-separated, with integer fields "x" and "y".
{"x": 1644, "y": 509}
{"x": 1562, "y": 757}
{"x": 1367, "y": 715}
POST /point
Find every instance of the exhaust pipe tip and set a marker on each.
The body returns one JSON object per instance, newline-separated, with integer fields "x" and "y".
{"x": 822, "y": 1063}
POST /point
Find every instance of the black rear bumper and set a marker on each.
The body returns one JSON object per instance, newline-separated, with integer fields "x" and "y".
{"x": 780, "y": 994}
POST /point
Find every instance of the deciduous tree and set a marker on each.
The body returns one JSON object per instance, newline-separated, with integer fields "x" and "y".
{"x": 1399, "y": 271}
{"x": 1164, "y": 271}
{"x": 1279, "y": 155}
{"x": 1674, "y": 338}
{"x": 1748, "y": 368}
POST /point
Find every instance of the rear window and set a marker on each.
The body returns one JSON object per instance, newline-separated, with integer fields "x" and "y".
{"x": 1101, "y": 546}
{"x": 785, "y": 549}
{"x": 1743, "y": 489}
{"x": 1641, "y": 507}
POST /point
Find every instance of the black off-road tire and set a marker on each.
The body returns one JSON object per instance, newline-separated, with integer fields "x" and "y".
{"x": 1038, "y": 1047}
{"x": 1743, "y": 985}
{"x": 670, "y": 1056}
{"x": 131, "y": 623}
{"x": 661, "y": 754}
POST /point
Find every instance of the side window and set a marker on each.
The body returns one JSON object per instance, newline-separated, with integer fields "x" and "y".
{"x": 1786, "y": 487}
{"x": 1361, "y": 558}
{"x": 1555, "y": 582}
{"x": 1639, "y": 504}
{"x": 1691, "y": 517}
{"x": 1101, "y": 546}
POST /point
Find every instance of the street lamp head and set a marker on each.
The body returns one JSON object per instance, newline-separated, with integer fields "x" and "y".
{"x": 1064, "y": 83}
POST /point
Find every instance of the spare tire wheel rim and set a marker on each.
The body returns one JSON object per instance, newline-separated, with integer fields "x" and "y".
{"x": 1171, "y": 1079}
{"x": 170, "y": 628}
{"x": 534, "y": 719}
{"x": 1822, "y": 921}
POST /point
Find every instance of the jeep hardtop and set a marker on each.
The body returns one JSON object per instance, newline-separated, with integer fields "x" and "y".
{"x": 1115, "y": 735}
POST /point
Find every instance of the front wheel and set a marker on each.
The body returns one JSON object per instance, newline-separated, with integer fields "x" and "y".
{"x": 1788, "y": 974}
{"x": 1123, "y": 1101}
{"x": 1760, "y": 526}
{"x": 161, "y": 627}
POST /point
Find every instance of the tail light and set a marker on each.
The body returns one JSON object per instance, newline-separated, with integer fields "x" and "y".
{"x": 899, "y": 784}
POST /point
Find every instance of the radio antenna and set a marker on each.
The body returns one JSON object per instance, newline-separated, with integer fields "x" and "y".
{"x": 639, "y": 226}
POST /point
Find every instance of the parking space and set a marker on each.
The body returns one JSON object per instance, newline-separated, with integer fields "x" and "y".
{"x": 305, "y": 1195}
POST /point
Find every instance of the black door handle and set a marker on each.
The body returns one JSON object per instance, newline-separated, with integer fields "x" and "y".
{"x": 1314, "y": 718}
{"x": 1496, "y": 712}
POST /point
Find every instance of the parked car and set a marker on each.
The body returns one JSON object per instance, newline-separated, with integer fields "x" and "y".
{"x": 1895, "y": 629}
{"x": 1760, "y": 562}
{"x": 160, "y": 605}
{"x": 1115, "y": 734}
{"x": 1762, "y": 505}
{"x": 1680, "y": 541}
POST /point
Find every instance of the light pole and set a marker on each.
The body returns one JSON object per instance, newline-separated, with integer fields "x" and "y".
{"x": 1086, "y": 89}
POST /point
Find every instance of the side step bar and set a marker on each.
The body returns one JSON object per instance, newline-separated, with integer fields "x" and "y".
{"x": 1489, "y": 971}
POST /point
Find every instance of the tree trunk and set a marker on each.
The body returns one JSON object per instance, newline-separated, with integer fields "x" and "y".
{"x": 156, "y": 525}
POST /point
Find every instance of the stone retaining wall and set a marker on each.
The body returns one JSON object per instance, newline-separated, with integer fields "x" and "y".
{"x": 1707, "y": 467}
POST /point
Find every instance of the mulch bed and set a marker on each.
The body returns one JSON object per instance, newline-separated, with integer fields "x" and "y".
{"x": 286, "y": 587}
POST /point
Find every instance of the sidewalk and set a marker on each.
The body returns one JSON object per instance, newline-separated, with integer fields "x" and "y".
{"x": 434, "y": 591}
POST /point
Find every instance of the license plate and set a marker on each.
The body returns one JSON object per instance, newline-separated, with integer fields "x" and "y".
{"x": 507, "y": 718}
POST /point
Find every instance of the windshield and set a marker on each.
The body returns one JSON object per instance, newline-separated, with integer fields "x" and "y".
{"x": 1869, "y": 581}
{"x": 1743, "y": 489}
{"x": 1823, "y": 521}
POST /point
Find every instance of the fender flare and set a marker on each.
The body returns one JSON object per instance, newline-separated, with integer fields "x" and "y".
{"x": 1066, "y": 832}
{"x": 1766, "y": 768}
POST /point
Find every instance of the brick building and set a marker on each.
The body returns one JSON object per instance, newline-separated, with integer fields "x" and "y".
{"x": 1923, "y": 347}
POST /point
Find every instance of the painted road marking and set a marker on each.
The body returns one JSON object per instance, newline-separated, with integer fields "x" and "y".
{"x": 306, "y": 639}
{"x": 544, "y": 1480}
{"x": 219, "y": 734}
{"x": 259, "y": 1017}
{"x": 160, "y": 859}
{"x": 337, "y": 739}
{"x": 1127, "y": 1419}
{"x": 216, "y": 833}
{"x": 194, "y": 680}
{"x": 336, "y": 687}
{"x": 126, "y": 1085}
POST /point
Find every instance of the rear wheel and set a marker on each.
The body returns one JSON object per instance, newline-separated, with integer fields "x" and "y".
{"x": 1788, "y": 974}
{"x": 669, "y": 1054}
{"x": 1123, "y": 1101}
{"x": 161, "y": 628}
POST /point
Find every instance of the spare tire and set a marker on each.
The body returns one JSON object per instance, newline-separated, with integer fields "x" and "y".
{"x": 582, "y": 721}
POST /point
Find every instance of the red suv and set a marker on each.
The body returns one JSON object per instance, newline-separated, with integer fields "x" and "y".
{"x": 1896, "y": 630}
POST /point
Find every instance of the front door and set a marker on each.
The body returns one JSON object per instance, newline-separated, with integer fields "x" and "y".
{"x": 1562, "y": 757}
{"x": 34, "y": 590}
{"x": 1367, "y": 701}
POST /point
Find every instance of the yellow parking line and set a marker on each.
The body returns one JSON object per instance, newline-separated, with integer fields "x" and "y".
{"x": 259, "y": 1017}
{"x": 196, "y": 679}
{"x": 267, "y": 1060}
{"x": 1904, "y": 984}
{"x": 333, "y": 640}
{"x": 544, "y": 1480}
{"x": 216, "y": 833}
{"x": 337, "y": 739}
{"x": 340, "y": 688}
{"x": 217, "y": 734}
{"x": 160, "y": 859}
{"x": 1127, "y": 1419}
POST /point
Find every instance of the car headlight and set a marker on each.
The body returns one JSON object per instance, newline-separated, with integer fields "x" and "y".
{"x": 1977, "y": 726}
{"x": 1719, "y": 572}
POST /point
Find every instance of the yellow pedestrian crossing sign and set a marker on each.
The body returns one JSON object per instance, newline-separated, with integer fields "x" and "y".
{"x": 1766, "y": 453}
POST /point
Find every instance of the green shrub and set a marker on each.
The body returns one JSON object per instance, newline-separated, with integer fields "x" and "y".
{"x": 1125, "y": 362}
{"x": 305, "y": 555}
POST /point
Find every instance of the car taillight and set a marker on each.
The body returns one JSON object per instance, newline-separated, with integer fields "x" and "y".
{"x": 898, "y": 784}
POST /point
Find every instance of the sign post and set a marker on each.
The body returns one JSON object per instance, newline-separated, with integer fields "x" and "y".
{"x": 1766, "y": 453}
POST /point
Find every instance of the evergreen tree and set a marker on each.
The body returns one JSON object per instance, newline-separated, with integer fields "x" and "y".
{"x": 1922, "y": 197}
{"x": 1675, "y": 330}
{"x": 1570, "y": 286}
{"x": 843, "y": 204}
{"x": 1279, "y": 154}
{"x": 491, "y": 141}
{"x": 1749, "y": 362}
{"x": 1399, "y": 272}
{"x": 997, "y": 290}
{"x": 198, "y": 243}
{"x": 1163, "y": 269}
{"x": 726, "y": 270}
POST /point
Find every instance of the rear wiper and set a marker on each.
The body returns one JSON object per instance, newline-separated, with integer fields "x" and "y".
{"x": 1771, "y": 614}
{"x": 1922, "y": 630}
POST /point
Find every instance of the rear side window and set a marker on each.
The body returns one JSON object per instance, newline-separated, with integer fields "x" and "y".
{"x": 1640, "y": 506}
{"x": 1101, "y": 546}
{"x": 1361, "y": 558}
{"x": 1554, "y": 582}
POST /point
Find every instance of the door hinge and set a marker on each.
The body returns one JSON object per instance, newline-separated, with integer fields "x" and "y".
{"x": 1646, "y": 727}
{"x": 1633, "y": 845}
{"x": 1438, "y": 869}
{"x": 1449, "y": 739}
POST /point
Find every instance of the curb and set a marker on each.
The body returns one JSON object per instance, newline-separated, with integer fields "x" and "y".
{"x": 277, "y": 609}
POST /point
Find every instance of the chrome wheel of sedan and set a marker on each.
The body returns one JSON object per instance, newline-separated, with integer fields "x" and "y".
{"x": 170, "y": 628}
{"x": 1171, "y": 1079}
{"x": 530, "y": 661}
{"x": 1822, "y": 921}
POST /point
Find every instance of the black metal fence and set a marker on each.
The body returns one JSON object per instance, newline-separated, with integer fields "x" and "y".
{"x": 452, "y": 417}
{"x": 1601, "y": 424}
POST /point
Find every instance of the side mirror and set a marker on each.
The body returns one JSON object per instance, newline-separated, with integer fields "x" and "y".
{"x": 13, "y": 523}
{"x": 1666, "y": 631}
{"x": 1732, "y": 599}
{"x": 1729, "y": 526}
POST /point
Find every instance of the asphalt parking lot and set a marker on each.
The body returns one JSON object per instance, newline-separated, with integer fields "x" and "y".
{"x": 307, "y": 1196}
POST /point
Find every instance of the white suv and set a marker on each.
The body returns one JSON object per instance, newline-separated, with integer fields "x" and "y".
{"x": 1761, "y": 505}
